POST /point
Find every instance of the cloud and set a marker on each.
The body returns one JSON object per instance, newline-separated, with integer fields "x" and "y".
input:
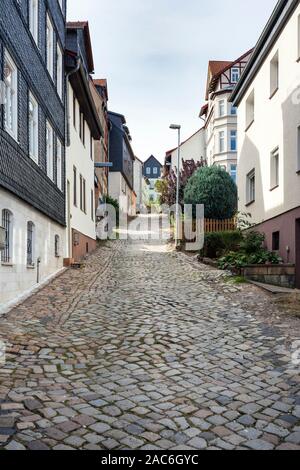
{"x": 154, "y": 54}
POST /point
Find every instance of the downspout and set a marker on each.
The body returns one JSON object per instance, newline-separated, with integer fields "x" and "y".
{"x": 68, "y": 117}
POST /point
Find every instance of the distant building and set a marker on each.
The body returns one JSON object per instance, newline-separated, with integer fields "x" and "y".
{"x": 219, "y": 114}
{"x": 152, "y": 172}
{"x": 32, "y": 144}
{"x": 84, "y": 128}
{"x": 192, "y": 148}
{"x": 138, "y": 183}
{"x": 100, "y": 95}
{"x": 267, "y": 98}
{"x": 121, "y": 175}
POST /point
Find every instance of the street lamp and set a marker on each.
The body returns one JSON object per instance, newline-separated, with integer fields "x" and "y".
{"x": 177, "y": 127}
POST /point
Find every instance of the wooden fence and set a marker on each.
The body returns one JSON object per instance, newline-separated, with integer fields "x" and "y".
{"x": 220, "y": 225}
{"x": 208, "y": 226}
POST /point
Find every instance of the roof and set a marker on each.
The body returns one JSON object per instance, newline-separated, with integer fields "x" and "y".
{"x": 102, "y": 82}
{"x": 280, "y": 16}
{"x": 216, "y": 68}
{"x": 203, "y": 110}
{"x": 182, "y": 143}
{"x": 84, "y": 25}
{"x": 151, "y": 157}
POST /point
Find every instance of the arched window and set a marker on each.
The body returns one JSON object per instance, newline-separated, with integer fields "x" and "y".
{"x": 30, "y": 243}
{"x": 56, "y": 246}
{"x": 6, "y": 254}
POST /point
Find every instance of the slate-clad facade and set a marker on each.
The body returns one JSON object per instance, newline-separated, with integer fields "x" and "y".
{"x": 27, "y": 186}
{"x": 18, "y": 173}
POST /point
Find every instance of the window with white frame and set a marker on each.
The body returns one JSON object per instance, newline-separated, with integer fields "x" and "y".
{"x": 221, "y": 141}
{"x": 233, "y": 140}
{"x": 30, "y": 243}
{"x": 49, "y": 153}
{"x": 233, "y": 172}
{"x": 59, "y": 71}
{"x": 33, "y": 116}
{"x": 33, "y": 12}
{"x": 274, "y": 74}
{"x": 148, "y": 170}
{"x": 10, "y": 96}
{"x": 59, "y": 164}
{"x": 50, "y": 42}
{"x": 235, "y": 74}
{"x": 250, "y": 187}
{"x": 155, "y": 170}
{"x": 7, "y": 224}
{"x": 250, "y": 109}
{"x": 274, "y": 173}
{"x": 233, "y": 110}
{"x": 221, "y": 108}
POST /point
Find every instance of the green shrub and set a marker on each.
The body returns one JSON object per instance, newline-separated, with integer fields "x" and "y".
{"x": 241, "y": 259}
{"x": 213, "y": 187}
{"x": 252, "y": 242}
{"x": 218, "y": 243}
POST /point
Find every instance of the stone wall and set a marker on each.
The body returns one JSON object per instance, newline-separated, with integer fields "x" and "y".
{"x": 278, "y": 275}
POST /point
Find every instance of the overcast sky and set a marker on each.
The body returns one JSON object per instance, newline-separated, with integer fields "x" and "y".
{"x": 155, "y": 53}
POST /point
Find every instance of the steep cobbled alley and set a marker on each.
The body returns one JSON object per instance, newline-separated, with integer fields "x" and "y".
{"x": 146, "y": 349}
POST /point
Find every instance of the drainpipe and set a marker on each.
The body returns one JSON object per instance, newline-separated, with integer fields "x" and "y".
{"x": 68, "y": 117}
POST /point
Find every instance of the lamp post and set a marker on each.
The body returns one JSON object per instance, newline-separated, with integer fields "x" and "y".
{"x": 177, "y": 127}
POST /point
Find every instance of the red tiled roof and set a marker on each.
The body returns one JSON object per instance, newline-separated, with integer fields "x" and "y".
{"x": 102, "y": 82}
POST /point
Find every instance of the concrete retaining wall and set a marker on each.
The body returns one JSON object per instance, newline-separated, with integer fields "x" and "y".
{"x": 283, "y": 275}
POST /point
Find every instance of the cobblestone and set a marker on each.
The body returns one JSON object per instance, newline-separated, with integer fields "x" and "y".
{"x": 144, "y": 348}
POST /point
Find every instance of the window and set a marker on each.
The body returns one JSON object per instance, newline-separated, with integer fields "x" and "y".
{"x": 233, "y": 111}
{"x": 155, "y": 170}
{"x": 50, "y": 41}
{"x": 10, "y": 96}
{"x": 33, "y": 18}
{"x": 221, "y": 141}
{"x": 6, "y": 254}
{"x": 74, "y": 186}
{"x": 235, "y": 74}
{"x": 74, "y": 111}
{"x": 250, "y": 187}
{"x": 91, "y": 146}
{"x": 57, "y": 246}
{"x": 33, "y": 113}
{"x": 81, "y": 192}
{"x": 30, "y": 244}
{"x": 84, "y": 195}
{"x": 92, "y": 204}
{"x": 82, "y": 128}
{"x": 250, "y": 109}
{"x": 233, "y": 172}
{"x": 59, "y": 165}
{"x": 274, "y": 169}
{"x": 233, "y": 141}
{"x": 49, "y": 153}
{"x": 274, "y": 74}
{"x": 148, "y": 171}
{"x": 59, "y": 72}
{"x": 221, "y": 108}
{"x": 275, "y": 241}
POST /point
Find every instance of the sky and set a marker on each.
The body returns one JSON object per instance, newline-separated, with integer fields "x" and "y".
{"x": 155, "y": 53}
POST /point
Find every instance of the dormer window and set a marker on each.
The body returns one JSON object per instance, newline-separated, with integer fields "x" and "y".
{"x": 235, "y": 74}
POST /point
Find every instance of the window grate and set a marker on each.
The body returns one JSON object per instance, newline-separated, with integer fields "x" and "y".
{"x": 30, "y": 244}
{"x": 6, "y": 224}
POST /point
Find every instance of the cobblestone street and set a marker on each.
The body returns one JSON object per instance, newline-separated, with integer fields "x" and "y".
{"x": 146, "y": 349}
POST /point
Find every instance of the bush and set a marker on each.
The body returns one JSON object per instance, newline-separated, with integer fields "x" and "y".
{"x": 213, "y": 187}
{"x": 241, "y": 259}
{"x": 218, "y": 243}
{"x": 252, "y": 242}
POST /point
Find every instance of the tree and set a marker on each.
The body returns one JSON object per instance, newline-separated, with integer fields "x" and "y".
{"x": 169, "y": 187}
{"x": 213, "y": 187}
